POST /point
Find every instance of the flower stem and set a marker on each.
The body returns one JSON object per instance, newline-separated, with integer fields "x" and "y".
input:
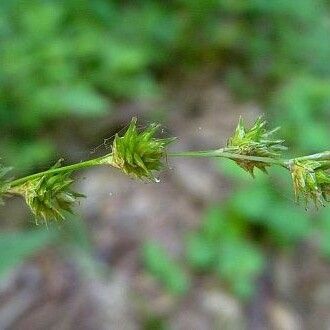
{"x": 325, "y": 155}
{"x": 223, "y": 153}
{"x": 73, "y": 167}
{"x": 322, "y": 157}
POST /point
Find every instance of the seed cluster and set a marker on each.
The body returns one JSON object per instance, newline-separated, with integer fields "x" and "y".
{"x": 50, "y": 196}
{"x": 311, "y": 182}
{"x": 139, "y": 154}
{"x": 255, "y": 141}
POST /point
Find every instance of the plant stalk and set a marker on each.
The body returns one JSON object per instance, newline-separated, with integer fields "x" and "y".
{"x": 323, "y": 157}
{"x": 73, "y": 167}
{"x": 225, "y": 154}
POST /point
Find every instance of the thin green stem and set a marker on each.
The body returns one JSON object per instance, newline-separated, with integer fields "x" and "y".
{"x": 322, "y": 157}
{"x": 229, "y": 155}
{"x": 73, "y": 167}
{"x": 325, "y": 155}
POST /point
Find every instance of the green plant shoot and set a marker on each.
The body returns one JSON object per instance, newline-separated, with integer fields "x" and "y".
{"x": 140, "y": 154}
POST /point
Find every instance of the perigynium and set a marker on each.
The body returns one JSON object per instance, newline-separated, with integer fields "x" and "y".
{"x": 140, "y": 154}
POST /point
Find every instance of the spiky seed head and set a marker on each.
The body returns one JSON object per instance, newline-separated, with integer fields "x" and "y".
{"x": 255, "y": 141}
{"x": 139, "y": 154}
{"x": 311, "y": 182}
{"x": 49, "y": 196}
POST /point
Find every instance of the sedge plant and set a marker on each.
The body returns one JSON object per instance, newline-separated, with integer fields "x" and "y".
{"x": 140, "y": 154}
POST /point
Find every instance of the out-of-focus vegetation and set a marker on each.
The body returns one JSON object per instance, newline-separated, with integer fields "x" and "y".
{"x": 17, "y": 246}
{"x": 78, "y": 58}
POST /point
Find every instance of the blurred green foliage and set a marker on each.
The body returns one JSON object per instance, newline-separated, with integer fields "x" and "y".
{"x": 164, "y": 268}
{"x": 302, "y": 105}
{"x": 78, "y": 58}
{"x": 17, "y": 246}
{"x": 75, "y": 58}
{"x": 70, "y": 240}
{"x": 219, "y": 246}
{"x": 277, "y": 52}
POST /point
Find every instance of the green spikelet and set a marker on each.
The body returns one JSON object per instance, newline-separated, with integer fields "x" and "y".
{"x": 256, "y": 141}
{"x": 311, "y": 182}
{"x": 139, "y": 154}
{"x": 49, "y": 196}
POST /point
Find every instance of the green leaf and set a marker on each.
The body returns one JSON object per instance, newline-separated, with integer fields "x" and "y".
{"x": 287, "y": 223}
{"x": 254, "y": 202}
{"x": 165, "y": 270}
{"x": 80, "y": 100}
{"x": 239, "y": 263}
{"x": 24, "y": 155}
{"x": 214, "y": 225}
{"x": 4, "y": 181}
{"x": 324, "y": 231}
{"x": 15, "y": 247}
{"x": 200, "y": 252}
